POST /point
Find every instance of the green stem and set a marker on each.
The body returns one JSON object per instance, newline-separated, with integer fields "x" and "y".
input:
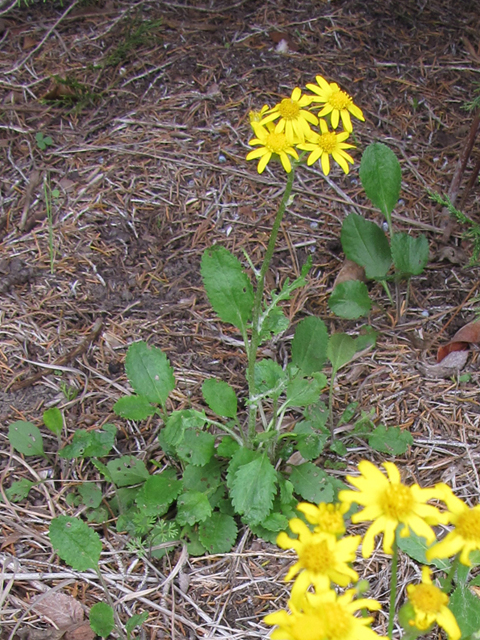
{"x": 451, "y": 574}
{"x": 387, "y": 291}
{"x": 252, "y": 348}
{"x": 393, "y": 589}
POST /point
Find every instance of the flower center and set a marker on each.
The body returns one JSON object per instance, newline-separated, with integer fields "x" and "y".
{"x": 316, "y": 557}
{"x": 328, "y": 142}
{"x": 340, "y": 100}
{"x": 338, "y": 621}
{"x": 468, "y": 524}
{"x": 330, "y": 519}
{"x": 289, "y": 109}
{"x": 428, "y": 598}
{"x": 276, "y": 142}
{"x": 397, "y": 501}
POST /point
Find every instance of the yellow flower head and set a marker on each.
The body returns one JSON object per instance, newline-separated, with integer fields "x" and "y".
{"x": 256, "y": 116}
{"x": 294, "y": 119}
{"x": 390, "y": 503}
{"x": 271, "y": 143}
{"x": 430, "y": 605}
{"x": 465, "y": 537}
{"x": 321, "y": 557}
{"x": 337, "y": 103}
{"x": 326, "y": 144}
{"x": 327, "y": 517}
{"x": 324, "y": 616}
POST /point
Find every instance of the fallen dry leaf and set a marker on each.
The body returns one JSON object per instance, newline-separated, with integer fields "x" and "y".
{"x": 469, "y": 334}
{"x": 350, "y": 271}
{"x": 81, "y": 631}
{"x": 60, "y": 609}
{"x": 450, "y": 365}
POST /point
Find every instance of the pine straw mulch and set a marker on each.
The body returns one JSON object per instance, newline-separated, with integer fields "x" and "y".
{"x": 150, "y": 166}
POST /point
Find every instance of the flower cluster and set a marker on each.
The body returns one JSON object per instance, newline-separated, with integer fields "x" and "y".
{"x": 284, "y": 129}
{"x": 325, "y": 556}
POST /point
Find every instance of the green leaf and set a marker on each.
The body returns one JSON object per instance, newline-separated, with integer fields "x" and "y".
{"x": 220, "y": 397}
{"x": 53, "y": 420}
{"x": 228, "y": 288}
{"x": 91, "y": 495}
{"x": 192, "y": 507}
{"x": 253, "y": 488}
{"x": 218, "y": 533}
{"x": 410, "y": 255}
{"x": 227, "y": 447}
{"x": 350, "y": 300}
{"x": 90, "y": 444}
{"x": 127, "y": 470}
{"x": 312, "y": 483}
{"x": 136, "y": 621}
{"x": 416, "y": 546}
{"x": 19, "y": 490}
{"x": 134, "y": 408}
{"x": 149, "y": 372}
{"x": 177, "y": 423}
{"x": 74, "y": 541}
{"x": 241, "y": 457}
{"x": 311, "y": 445}
{"x": 365, "y": 243}
{"x": 158, "y": 492}
{"x": 205, "y": 478}
{"x": 101, "y": 619}
{"x": 391, "y": 440}
{"x": 309, "y": 345}
{"x": 466, "y": 608}
{"x": 366, "y": 338}
{"x": 197, "y": 447}
{"x": 302, "y": 392}
{"x": 341, "y": 349}
{"x": 26, "y": 438}
{"x": 274, "y": 323}
{"x": 381, "y": 176}
{"x": 270, "y": 378}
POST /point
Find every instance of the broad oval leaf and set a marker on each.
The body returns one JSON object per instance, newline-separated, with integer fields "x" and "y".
{"x": 101, "y": 619}
{"x": 26, "y": 438}
{"x": 192, "y": 506}
{"x": 341, "y": 349}
{"x": 410, "y": 255}
{"x": 365, "y": 243}
{"x": 381, "y": 176}
{"x": 309, "y": 345}
{"x": 53, "y": 420}
{"x": 228, "y": 287}
{"x": 253, "y": 488}
{"x": 218, "y": 533}
{"x": 75, "y": 542}
{"x": 149, "y": 372}
{"x": 127, "y": 470}
{"x": 350, "y": 300}
{"x": 220, "y": 397}
{"x": 134, "y": 407}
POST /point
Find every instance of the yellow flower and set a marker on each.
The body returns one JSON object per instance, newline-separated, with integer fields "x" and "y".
{"x": 430, "y": 605}
{"x": 271, "y": 143}
{"x": 337, "y": 103}
{"x": 321, "y": 557}
{"x": 324, "y": 616}
{"x": 327, "y": 517}
{"x": 294, "y": 120}
{"x": 390, "y": 503}
{"x": 325, "y": 144}
{"x": 465, "y": 537}
{"x": 256, "y": 116}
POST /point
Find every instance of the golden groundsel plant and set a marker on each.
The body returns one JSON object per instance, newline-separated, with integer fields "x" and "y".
{"x": 319, "y": 610}
{"x": 284, "y": 129}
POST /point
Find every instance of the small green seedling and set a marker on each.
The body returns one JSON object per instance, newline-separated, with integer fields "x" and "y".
{"x": 43, "y": 141}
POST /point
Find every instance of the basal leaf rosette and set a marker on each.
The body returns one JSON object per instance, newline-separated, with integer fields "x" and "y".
{"x": 389, "y": 503}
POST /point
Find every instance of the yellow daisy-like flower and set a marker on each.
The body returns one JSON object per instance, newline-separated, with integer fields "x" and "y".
{"x": 337, "y": 103}
{"x": 271, "y": 143}
{"x": 327, "y": 517}
{"x": 390, "y": 503}
{"x": 321, "y": 557}
{"x": 294, "y": 119}
{"x": 465, "y": 537}
{"x": 324, "y": 616}
{"x": 326, "y": 144}
{"x": 430, "y": 605}
{"x": 257, "y": 116}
